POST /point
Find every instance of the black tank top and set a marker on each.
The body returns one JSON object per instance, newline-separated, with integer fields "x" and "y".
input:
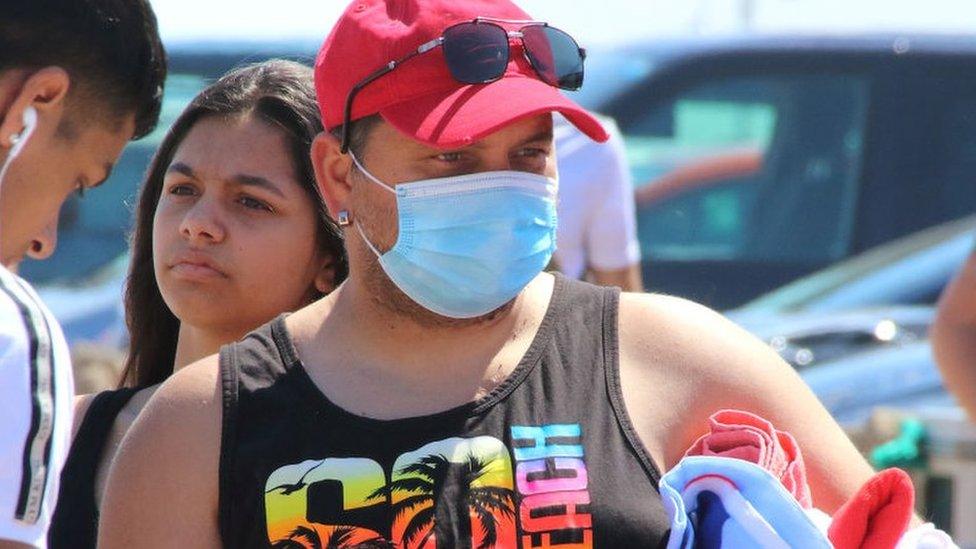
{"x": 549, "y": 458}
{"x": 75, "y": 521}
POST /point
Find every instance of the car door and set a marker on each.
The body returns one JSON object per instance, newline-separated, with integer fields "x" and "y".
{"x": 921, "y": 167}
{"x": 748, "y": 169}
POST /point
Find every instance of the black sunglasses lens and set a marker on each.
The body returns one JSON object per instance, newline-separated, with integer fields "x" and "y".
{"x": 554, "y": 55}
{"x": 476, "y": 52}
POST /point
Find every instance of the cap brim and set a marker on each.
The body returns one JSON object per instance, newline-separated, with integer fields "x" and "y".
{"x": 461, "y": 116}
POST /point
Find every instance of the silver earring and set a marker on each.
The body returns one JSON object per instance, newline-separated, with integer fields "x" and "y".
{"x": 343, "y": 218}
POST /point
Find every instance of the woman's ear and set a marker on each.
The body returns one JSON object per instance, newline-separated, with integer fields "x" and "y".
{"x": 325, "y": 278}
{"x": 332, "y": 170}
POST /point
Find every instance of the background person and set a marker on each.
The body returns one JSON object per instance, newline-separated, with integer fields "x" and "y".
{"x": 954, "y": 336}
{"x": 597, "y": 232}
{"x": 78, "y": 80}
{"x": 230, "y": 232}
{"x": 449, "y": 385}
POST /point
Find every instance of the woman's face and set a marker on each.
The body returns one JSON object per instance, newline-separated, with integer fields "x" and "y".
{"x": 234, "y": 234}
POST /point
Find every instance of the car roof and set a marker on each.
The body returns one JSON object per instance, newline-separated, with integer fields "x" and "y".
{"x": 955, "y": 237}
{"x": 879, "y": 44}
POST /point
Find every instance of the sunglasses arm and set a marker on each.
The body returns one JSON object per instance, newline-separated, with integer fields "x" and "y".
{"x": 424, "y": 48}
{"x": 352, "y": 95}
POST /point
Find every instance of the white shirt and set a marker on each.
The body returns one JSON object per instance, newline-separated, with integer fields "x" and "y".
{"x": 597, "y": 226}
{"x": 36, "y": 400}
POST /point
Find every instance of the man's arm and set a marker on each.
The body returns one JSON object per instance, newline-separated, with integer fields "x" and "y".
{"x": 681, "y": 362}
{"x": 163, "y": 487}
{"x": 33, "y": 418}
{"x": 954, "y": 336}
{"x": 628, "y": 279}
{"x": 13, "y": 371}
{"x": 7, "y": 544}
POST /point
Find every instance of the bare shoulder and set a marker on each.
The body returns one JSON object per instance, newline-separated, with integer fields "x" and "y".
{"x": 166, "y": 470}
{"x": 81, "y": 405}
{"x": 680, "y": 362}
{"x": 654, "y": 321}
{"x": 689, "y": 359}
{"x": 187, "y": 407}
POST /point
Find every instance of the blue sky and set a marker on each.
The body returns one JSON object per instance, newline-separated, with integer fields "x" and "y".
{"x": 592, "y": 21}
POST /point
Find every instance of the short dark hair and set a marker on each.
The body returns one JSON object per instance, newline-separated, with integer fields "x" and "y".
{"x": 110, "y": 49}
{"x": 279, "y": 93}
{"x": 359, "y": 131}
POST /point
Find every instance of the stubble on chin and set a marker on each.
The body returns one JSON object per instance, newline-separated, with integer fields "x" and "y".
{"x": 388, "y": 296}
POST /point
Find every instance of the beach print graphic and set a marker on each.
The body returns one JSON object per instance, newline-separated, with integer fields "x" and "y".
{"x": 553, "y": 486}
{"x": 465, "y": 493}
{"x": 326, "y": 503}
{"x": 454, "y": 493}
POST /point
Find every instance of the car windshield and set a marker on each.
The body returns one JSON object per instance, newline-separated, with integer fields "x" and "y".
{"x": 939, "y": 250}
{"x": 93, "y": 231}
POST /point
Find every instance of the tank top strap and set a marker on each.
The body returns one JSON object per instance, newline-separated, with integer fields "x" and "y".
{"x": 587, "y": 342}
{"x": 247, "y": 365}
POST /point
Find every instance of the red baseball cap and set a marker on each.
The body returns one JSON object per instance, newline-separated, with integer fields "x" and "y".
{"x": 420, "y": 97}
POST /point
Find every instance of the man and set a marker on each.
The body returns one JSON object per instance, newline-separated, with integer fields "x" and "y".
{"x": 78, "y": 79}
{"x": 597, "y": 232}
{"x": 954, "y": 336}
{"x": 449, "y": 394}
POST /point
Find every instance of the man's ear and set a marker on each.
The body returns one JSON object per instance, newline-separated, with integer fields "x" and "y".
{"x": 332, "y": 172}
{"x": 45, "y": 90}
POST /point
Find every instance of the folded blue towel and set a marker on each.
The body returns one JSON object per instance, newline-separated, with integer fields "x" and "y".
{"x": 720, "y": 502}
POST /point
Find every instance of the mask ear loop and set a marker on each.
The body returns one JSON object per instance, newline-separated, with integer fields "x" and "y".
{"x": 371, "y": 177}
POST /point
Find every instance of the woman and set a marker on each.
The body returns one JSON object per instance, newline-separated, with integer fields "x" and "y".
{"x": 230, "y": 232}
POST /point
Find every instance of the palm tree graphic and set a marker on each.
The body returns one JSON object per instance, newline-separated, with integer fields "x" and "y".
{"x": 444, "y": 493}
{"x": 341, "y": 537}
{"x": 301, "y": 537}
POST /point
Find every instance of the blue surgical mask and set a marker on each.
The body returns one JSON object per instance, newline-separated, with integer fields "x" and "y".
{"x": 469, "y": 244}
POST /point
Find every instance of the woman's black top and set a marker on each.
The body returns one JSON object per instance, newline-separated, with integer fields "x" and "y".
{"x": 75, "y": 522}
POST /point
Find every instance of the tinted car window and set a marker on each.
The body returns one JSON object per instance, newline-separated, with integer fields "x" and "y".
{"x": 93, "y": 230}
{"x": 754, "y": 168}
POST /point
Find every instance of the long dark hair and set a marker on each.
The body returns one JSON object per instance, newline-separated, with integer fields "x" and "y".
{"x": 280, "y": 93}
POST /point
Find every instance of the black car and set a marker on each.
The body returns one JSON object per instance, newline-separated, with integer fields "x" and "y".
{"x": 759, "y": 160}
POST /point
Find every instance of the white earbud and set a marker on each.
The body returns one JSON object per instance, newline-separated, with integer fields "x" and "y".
{"x": 30, "y": 122}
{"x": 19, "y": 140}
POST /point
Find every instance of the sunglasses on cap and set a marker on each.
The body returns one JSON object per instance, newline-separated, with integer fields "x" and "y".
{"x": 478, "y": 52}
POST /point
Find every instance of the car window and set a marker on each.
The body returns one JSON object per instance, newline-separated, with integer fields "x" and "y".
{"x": 93, "y": 230}
{"x": 610, "y": 72}
{"x": 752, "y": 168}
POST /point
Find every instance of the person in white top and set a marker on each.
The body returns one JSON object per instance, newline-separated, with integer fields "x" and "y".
{"x": 597, "y": 234}
{"x": 78, "y": 80}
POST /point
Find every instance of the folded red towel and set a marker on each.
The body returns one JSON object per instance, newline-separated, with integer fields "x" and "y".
{"x": 742, "y": 435}
{"x": 877, "y": 516}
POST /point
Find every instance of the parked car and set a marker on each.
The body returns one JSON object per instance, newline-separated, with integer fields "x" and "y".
{"x": 903, "y": 376}
{"x": 883, "y": 297}
{"x": 760, "y": 160}
{"x": 857, "y": 332}
{"x": 912, "y": 270}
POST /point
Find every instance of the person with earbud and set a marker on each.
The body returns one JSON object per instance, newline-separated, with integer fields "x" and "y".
{"x": 78, "y": 80}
